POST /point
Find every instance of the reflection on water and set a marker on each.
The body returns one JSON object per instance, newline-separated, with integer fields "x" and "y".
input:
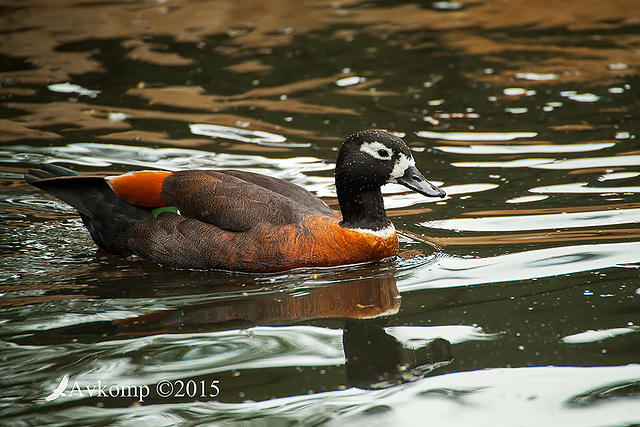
{"x": 244, "y": 135}
{"x": 70, "y": 88}
{"x": 591, "y": 336}
{"x": 467, "y": 271}
{"x": 610, "y": 216}
{"x": 357, "y": 299}
{"x": 476, "y": 136}
{"x": 519, "y": 290}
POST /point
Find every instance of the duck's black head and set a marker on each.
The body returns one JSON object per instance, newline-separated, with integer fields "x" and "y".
{"x": 367, "y": 160}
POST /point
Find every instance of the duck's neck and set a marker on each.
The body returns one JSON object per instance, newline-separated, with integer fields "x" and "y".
{"x": 361, "y": 208}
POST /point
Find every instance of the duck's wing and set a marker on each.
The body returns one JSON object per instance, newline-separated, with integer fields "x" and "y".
{"x": 180, "y": 242}
{"x": 285, "y": 188}
{"x": 236, "y": 201}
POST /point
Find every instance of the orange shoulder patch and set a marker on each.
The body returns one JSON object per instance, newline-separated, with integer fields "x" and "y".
{"x": 142, "y": 188}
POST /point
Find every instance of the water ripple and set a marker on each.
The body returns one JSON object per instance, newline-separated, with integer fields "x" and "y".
{"x": 71, "y": 88}
{"x": 583, "y": 188}
{"x": 476, "y": 136}
{"x": 538, "y": 222}
{"x": 253, "y": 348}
{"x": 242, "y": 135}
{"x": 417, "y": 336}
{"x": 554, "y": 164}
{"x": 521, "y": 149}
{"x": 598, "y": 335}
{"x": 452, "y": 271}
{"x": 104, "y": 155}
{"x": 537, "y": 395}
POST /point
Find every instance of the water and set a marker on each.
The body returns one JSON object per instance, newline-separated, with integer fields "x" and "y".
{"x": 514, "y": 301}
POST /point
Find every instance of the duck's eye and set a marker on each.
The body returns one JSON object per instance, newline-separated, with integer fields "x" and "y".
{"x": 383, "y": 153}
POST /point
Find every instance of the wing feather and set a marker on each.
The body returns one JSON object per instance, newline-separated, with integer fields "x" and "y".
{"x": 226, "y": 200}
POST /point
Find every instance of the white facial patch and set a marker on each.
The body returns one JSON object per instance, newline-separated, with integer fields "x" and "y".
{"x": 401, "y": 166}
{"x": 377, "y": 150}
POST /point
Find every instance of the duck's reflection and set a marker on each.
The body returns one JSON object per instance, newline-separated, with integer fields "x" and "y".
{"x": 373, "y": 358}
{"x": 351, "y": 299}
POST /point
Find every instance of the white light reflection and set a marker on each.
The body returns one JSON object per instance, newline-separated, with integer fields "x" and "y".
{"x": 71, "y": 88}
{"x": 241, "y": 134}
{"x": 417, "y": 336}
{"x": 598, "y": 335}
{"x": 582, "y": 188}
{"x": 538, "y": 222}
{"x": 526, "y": 199}
{"x": 350, "y": 81}
{"x": 476, "y": 136}
{"x": 573, "y": 164}
{"x": 537, "y": 76}
{"x": 618, "y": 175}
{"x": 531, "y": 396}
{"x": 453, "y": 271}
{"x": 520, "y": 149}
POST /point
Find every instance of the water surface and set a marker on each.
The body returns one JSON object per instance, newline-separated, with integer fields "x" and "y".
{"x": 514, "y": 301}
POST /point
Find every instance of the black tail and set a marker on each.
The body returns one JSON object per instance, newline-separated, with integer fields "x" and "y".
{"x": 106, "y": 216}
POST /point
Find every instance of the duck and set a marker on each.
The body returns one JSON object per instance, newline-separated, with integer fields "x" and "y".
{"x": 244, "y": 221}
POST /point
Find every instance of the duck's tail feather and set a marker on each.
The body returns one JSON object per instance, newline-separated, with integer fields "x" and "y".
{"x": 106, "y": 216}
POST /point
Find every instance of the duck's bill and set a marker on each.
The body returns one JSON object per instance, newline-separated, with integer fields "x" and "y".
{"x": 414, "y": 180}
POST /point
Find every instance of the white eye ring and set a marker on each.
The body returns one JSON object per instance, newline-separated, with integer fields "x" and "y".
{"x": 377, "y": 150}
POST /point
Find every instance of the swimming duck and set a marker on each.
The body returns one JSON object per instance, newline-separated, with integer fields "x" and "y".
{"x": 244, "y": 221}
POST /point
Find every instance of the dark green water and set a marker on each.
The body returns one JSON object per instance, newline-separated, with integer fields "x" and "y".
{"x": 515, "y": 301}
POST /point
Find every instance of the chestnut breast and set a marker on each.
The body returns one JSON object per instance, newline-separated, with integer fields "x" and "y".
{"x": 315, "y": 241}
